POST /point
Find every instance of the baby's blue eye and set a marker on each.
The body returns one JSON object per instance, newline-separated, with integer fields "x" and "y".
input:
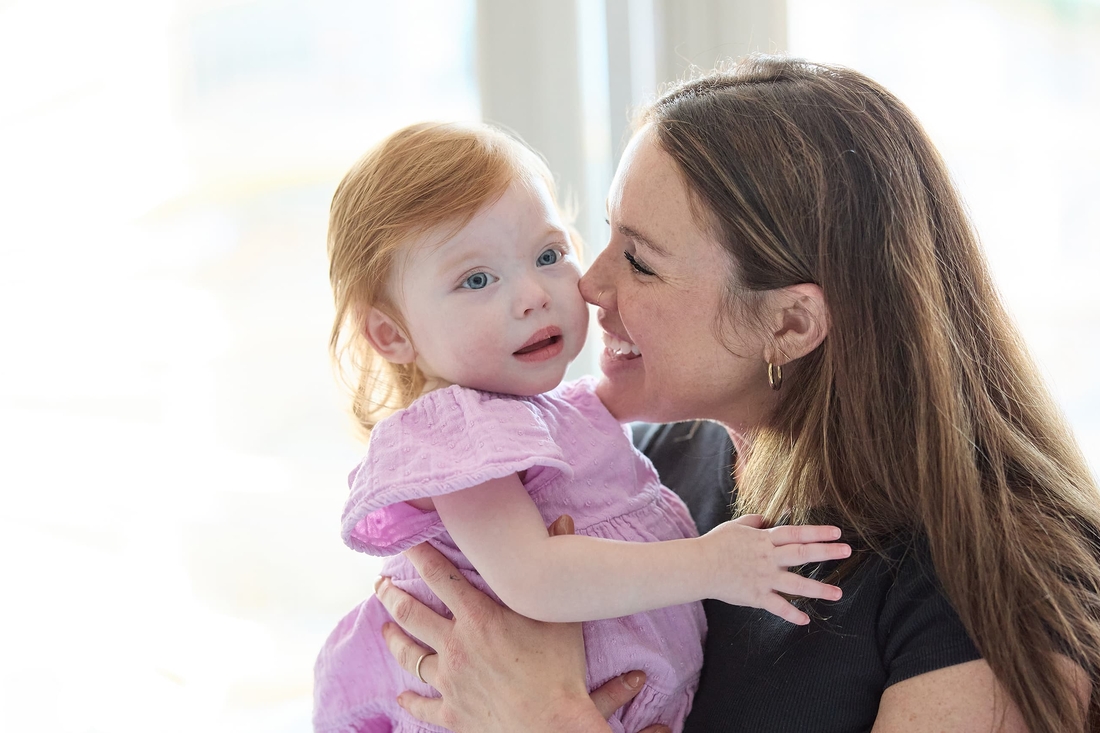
{"x": 549, "y": 257}
{"x": 477, "y": 281}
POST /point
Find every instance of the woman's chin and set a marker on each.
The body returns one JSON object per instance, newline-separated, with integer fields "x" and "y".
{"x": 621, "y": 389}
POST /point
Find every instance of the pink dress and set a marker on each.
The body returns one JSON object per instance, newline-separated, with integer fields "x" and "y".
{"x": 579, "y": 461}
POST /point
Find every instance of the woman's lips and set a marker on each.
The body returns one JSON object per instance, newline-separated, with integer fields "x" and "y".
{"x": 618, "y": 354}
{"x": 620, "y": 347}
{"x": 612, "y": 363}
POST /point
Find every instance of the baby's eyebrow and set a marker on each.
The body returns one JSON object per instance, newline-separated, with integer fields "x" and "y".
{"x": 556, "y": 231}
{"x": 460, "y": 258}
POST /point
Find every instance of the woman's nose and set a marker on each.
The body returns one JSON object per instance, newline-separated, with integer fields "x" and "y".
{"x": 594, "y": 285}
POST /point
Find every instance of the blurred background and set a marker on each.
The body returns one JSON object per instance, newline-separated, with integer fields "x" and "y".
{"x": 173, "y": 446}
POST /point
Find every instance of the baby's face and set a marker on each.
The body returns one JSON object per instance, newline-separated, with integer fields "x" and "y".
{"x": 496, "y": 306}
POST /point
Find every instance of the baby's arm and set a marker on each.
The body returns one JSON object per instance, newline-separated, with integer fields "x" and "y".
{"x": 578, "y": 578}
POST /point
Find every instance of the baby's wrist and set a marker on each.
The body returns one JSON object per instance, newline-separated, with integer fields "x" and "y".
{"x": 708, "y": 569}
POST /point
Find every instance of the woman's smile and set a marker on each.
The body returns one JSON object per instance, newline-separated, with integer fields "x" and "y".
{"x": 620, "y": 348}
{"x": 658, "y": 285}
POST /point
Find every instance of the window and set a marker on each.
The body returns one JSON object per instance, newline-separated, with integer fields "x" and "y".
{"x": 175, "y": 448}
{"x": 1008, "y": 92}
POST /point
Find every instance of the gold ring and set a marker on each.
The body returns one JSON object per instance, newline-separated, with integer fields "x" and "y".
{"x": 418, "y": 661}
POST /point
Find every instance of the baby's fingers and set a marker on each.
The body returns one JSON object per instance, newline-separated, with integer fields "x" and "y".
{"x": 781, "y": 607}
{"x": 791, "y": 555}
{"x": 803, "y": 534}
{"x": 756, "y": 521}
{"x": 796, "y": 585}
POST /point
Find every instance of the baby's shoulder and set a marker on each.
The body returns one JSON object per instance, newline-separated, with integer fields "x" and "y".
{"x": 457, "y": 408}
{"x": 580, "y": 392}
{"x": 461, "y": 422}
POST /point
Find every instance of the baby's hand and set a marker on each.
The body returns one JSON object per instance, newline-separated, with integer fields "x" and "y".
{"x": 750, "y": 564}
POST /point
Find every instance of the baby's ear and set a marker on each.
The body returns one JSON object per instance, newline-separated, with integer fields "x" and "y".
{"x": 388, "y": 338}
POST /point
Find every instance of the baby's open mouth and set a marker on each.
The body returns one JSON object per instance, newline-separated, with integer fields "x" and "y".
{"x": 539, "y": 345}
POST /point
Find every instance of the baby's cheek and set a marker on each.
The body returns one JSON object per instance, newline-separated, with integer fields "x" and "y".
{"x": 582, "y": 315}
{"x": 483, "y": 348}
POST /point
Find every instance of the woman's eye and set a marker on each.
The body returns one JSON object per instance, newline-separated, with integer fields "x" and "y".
{"x": 638, "y": 266}
{"x": 478, "y": 280}
{"x": 549, "y": 257}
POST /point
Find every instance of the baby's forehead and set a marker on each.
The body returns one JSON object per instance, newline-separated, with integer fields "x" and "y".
{"x": 447, "y": 251}
{"x": 424, "y": 247}
{"x": 523, "y": 213}
{"x": 445, "y": 248}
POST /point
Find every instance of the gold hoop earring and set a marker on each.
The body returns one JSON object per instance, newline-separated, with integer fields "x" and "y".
{"x": 599, "y": 300}
{"x": 775, "y": 376}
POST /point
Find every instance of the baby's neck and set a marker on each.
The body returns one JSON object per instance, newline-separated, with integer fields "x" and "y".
{"x": 431, "y": 384}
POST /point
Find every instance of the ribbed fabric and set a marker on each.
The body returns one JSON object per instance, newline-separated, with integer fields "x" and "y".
{"x": 764, "y": 675}
{"x": 578, "y": 461}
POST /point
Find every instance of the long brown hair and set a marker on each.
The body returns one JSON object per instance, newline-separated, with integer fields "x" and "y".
{"x": 921, "y": 413}
{"x": 424, "y": 177}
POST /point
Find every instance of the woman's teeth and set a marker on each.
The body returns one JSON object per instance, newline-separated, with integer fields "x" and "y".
{"x": 618, "y": 347}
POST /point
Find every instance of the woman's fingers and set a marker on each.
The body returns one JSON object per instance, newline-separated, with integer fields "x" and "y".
{"x": 412, "y": 615}
{"x": 445, "y": 581}
{"x": 408, "y": 653}
{"x": 424, "y": 709}
{"x": 561, "y": 525}
{"x": 617, "y": 691}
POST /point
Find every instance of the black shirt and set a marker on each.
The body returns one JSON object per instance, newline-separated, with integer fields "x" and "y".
{"x": 765, "y": 675}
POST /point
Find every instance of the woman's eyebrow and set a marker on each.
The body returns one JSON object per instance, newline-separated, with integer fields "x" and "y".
{"x": 639, "y": 237}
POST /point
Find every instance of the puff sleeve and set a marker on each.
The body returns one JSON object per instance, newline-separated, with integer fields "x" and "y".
{"x": 448, "y": 440}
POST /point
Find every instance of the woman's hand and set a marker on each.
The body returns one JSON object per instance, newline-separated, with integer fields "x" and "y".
{"x": 749, "y": 564}
{"x": 496, "y": 670}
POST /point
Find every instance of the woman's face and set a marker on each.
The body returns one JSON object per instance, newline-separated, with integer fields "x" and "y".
{"x": 661, "y": 286}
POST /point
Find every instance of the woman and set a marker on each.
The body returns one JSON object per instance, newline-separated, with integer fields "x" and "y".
{"x": 793, "y": 264}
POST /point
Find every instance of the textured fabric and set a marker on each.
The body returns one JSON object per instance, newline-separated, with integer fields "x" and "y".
{"x": 764, "y": 675}
{"x": 578, "y": 461}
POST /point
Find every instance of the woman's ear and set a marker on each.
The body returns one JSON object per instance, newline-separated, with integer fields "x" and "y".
{"x": 388, "y": 338}
{"x": 801, "y": 323}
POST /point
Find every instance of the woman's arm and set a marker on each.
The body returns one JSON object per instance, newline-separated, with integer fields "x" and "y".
{"x": 961, "y": 698}
{"x": 497, "y": 671}
{"x": 575, "y": 578}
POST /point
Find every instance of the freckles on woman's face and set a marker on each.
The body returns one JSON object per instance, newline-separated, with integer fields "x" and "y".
{"x": 661, "y": 288}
